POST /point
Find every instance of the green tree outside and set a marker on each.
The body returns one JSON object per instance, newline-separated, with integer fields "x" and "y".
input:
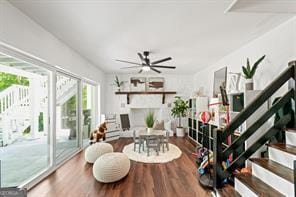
{"x": 6, "y": 80}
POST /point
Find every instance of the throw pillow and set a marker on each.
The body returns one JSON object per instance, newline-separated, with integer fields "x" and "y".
{"x": 158, "y": 125}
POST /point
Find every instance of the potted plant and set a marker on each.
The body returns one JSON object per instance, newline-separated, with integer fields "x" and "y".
{"x": 149, "y": 120}
{"x": 179, "y": 111}
{"x": 117, "y": 83}
{"x": 249, "y": 73}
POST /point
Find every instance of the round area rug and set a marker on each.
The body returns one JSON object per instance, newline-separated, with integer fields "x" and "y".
{"x": 173, "y": 153}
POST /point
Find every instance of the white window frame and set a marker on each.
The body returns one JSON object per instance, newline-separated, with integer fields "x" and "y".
{"x": 54, "y": 70}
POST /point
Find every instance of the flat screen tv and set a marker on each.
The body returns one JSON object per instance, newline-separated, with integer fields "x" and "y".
{"x": 220, "y": 77}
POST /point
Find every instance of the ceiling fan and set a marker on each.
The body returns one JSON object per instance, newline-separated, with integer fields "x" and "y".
{"x": 146, "y": 65}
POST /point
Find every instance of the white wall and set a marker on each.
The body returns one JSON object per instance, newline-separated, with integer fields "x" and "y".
{"x": 279, "y": 46}
{"x": 19, "y": 31}
{"x": 182, "y": 84}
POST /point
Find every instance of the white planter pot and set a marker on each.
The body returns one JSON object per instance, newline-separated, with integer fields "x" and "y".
{"x": 180, "y": 132}
{"x": 249, "y": 84}
{"x": 149, "y": 130}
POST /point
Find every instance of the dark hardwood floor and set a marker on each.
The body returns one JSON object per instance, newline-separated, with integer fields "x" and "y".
{"x": 176, "y": 178}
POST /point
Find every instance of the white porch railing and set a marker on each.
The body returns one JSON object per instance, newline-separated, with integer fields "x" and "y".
{"x": 15, "y": 106}
{"x": 14, "y": 95}
{"x": 66, "y": 88}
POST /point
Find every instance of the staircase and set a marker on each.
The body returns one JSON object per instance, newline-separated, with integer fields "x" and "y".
{"x": 15, "y": 108}
{"x": 271, "y": 176}
{"x": 13, "y": 101}
{"x": 66, "y": 88}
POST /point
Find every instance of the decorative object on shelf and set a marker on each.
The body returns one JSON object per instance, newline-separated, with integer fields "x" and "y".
{"x": 249, "y": 72}
{"x": 179, "y": 111}
{"x": 149, "y": 120}
{"x": 117, "y": 83}
{"x": 234, "y": 82}
{"x": 138, "y": 84}
{"x": 155, "y": 84}
{"x": 205, "y": 117}
{"x": 199, "y": 92}
{"x": 214, "y": 111}
{"x": 144, "y": 92}
{"x": 202, "y": 104}
{"x": 220, "y": 77}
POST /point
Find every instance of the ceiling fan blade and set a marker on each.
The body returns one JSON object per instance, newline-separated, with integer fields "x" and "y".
{"x": 162, "y": 60}
{"x": 128, "y": 62}
{"x": 159, "y": 66}
{"x": 140, "y": 71}
{"x": 155, "y": 70}
{"x": 130, "y": 67}
{"x": 141, "y": 57}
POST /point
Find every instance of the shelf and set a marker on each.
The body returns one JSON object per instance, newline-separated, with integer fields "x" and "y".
{"x": 131, "y": 93}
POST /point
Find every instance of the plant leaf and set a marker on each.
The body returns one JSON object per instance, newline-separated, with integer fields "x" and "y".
{"x": 255, "y": 66}
{"x": 248, "y": 65}
{"x": 246, "y": 72}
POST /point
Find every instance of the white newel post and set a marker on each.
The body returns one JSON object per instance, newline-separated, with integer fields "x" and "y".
{"x": 34, "y": 102}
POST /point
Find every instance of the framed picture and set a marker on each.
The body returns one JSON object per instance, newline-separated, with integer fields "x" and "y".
{"x": 155, "y": 84}
{"x": 138, "y": 84}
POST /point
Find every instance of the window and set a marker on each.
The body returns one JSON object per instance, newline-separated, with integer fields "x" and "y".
{"x": 24, "y": 133}
{"x": 66, "y": 115}
{"x": 30, "y": 144}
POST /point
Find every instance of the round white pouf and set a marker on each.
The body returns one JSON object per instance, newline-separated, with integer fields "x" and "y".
{"x": 94, "y": 151}
{"x": 111, "y": 167}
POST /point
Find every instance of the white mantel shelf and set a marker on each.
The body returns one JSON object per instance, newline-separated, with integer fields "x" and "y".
{"x": 131, "y": 93}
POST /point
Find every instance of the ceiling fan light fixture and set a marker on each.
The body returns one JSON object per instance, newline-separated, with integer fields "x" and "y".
{"x": 146, "y": 68}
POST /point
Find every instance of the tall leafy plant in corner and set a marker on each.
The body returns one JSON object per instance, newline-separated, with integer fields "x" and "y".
{"x": 249, "y": 71}
{"x": 179, "y": 109}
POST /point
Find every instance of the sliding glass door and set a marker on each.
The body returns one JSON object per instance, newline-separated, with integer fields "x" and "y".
{"x": 24, "y": 128}
{"x": 46, "y": 116}
{"x": 88, "y": 111}
{"x": 67, "y": 114}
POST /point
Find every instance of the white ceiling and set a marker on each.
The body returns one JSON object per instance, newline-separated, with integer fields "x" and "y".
{"x": 195, "y": 33}
{"x": 264, "y": 6}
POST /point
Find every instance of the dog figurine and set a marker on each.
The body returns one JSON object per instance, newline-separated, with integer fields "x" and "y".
{"x": 98, "y": 134}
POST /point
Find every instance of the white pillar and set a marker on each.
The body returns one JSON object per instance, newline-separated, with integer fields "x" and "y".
{"x": 45, "y": 110}
{"x": 58, "y": 120}
{"x": 88, "y": 97}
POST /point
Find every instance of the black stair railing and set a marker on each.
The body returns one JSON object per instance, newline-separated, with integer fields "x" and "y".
{"x": 221, "y": 154}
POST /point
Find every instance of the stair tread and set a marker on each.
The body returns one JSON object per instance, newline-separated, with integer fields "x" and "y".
{"x": 276, "y": 168}
{"x": 291, "y": 130}
{"x": 257, "y": 186}
{"x": 228, "y": 191}
{"x": 284, "y": 147}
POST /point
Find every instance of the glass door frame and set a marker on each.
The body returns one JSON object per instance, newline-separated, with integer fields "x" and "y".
{"x": 78, "y": 116}
{"x": 53, "y": 71}
{"x": 95, "y": 106}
